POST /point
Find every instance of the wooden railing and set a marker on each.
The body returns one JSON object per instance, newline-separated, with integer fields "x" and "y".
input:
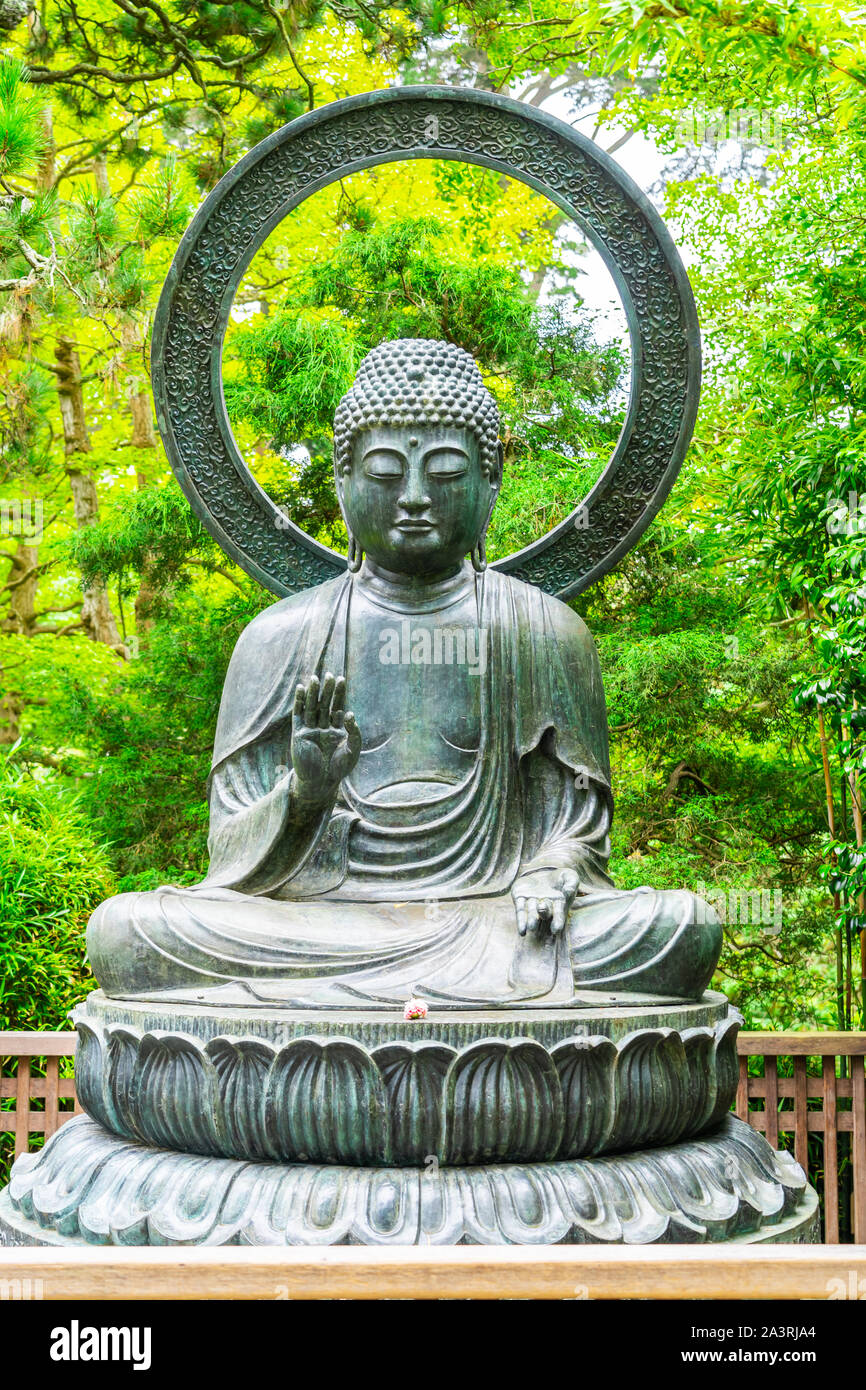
{"x": 56, "y": 1092}
{"x": 76, "y": 1274}
{"x": 774, "y": 1104}
{"x": 785, "y": 1108}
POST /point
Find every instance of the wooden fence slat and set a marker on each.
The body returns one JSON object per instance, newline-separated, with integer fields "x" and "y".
{"x": 743, "y": 1090}
{"x": 22, "y": 1049}
{"x": 65, "y": 1088}
{"x": 52, "y": 1078}
{"x": 22, "y": 1106}
{"x": 831, "y": 1160}
{"x": 35, "y": 1121}
{"x": 38, "y": 1044}
{"x": 802, "y": 1044}
{"x": 801, "y": 1112}
{"x": 785, "y": 1085}
{"x": 859, "y": 1152}
{"x": 771, "y": 1104}
{"x": 786, "y": 1124}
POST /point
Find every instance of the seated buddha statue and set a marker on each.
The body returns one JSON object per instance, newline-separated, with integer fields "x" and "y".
{"x": 410, "y": 790}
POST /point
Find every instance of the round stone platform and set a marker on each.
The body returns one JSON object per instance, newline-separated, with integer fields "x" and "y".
{"x": 88, "y": 1187}
{"x": 459, "y": 1088}
{"x": 595, "y": 1014}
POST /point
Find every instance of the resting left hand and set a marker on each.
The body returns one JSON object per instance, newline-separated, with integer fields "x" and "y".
{"x": 542, "y": 899}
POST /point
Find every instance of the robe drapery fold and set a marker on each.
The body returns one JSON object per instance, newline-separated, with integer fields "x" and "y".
{"x": 372, "y": 900}
{"x": 540, "y": 784}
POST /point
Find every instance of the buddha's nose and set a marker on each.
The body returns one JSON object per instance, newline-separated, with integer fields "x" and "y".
{"x": 414, "y": 496}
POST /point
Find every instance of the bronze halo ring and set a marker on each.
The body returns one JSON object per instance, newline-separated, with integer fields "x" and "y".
{"x": 476, "y": 127}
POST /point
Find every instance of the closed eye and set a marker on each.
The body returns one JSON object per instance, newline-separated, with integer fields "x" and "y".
{"x": 383, "y": 463}
{"x": 446, "y": 463}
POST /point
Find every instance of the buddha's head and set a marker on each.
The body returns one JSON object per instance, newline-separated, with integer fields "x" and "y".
{"x": 417, "y": 457}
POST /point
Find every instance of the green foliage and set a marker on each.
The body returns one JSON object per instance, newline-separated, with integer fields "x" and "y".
{"x": 53, "y": 872}
{"x": 149, "y": 735}
{"x": 21, "y": 137}
{"x": 298, "y": 365}
{"x": 792, "y": 466}
{"x": 151, "y": 533}
{"x": 732, "y": 638}
{"x": 713, "y": 792}
{"x": 412, "y": 278}
{"x": 162, "y": 209}
{"x": 24, "y": 426}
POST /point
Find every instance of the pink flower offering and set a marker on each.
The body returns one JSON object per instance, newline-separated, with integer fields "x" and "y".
{"x": 415, "y": 1008}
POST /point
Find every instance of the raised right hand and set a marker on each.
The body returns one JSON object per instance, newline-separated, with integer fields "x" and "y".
{"x": 326, "y": 741}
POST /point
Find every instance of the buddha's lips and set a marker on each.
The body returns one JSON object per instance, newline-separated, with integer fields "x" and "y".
{"x": 415, "y": 525}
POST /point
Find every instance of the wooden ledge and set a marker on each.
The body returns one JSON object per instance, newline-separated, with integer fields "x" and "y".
{"x": 464, "y": 1272}
{"x": 797, "y": 1044}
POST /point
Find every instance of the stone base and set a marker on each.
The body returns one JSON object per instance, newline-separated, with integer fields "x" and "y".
{"x": 90, "y": 1187}
{"x": 349, "y": 1087}
{"x": 597, "y": 1014}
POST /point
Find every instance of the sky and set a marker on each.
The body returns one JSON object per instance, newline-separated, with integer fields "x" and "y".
{"x": 643, "y": 162}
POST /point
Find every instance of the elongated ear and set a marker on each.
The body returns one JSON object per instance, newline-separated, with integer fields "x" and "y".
{"x": 356, "y": 554}
{"x": 341, "y": 503}
{"x": 339, "y": 477}
{"x": 500, "y": 464}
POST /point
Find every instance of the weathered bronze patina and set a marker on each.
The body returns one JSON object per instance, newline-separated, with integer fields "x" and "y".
{"x": 449, "y": 834}
{"x": 478, "y": 127}
{"x": 410, "y": 795}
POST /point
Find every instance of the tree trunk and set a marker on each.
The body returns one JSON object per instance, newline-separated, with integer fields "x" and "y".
{"x": 10, "y": 714}
{"x": 143, "y": 432}
{"x": 46, "y": 169}
{"x": 100, "y": 174}
{"x": 143, "y": 437}
{"x": 138, "y": 392}
{"x": 22, "y": 581}
{"x": 19, "y": 619}
{"x": 96, "y": 614}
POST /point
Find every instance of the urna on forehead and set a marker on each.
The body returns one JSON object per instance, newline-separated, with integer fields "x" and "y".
{"x": 417, "y": 381}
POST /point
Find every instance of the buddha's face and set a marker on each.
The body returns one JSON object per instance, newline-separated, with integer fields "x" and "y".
{"x": 415, "y": 499}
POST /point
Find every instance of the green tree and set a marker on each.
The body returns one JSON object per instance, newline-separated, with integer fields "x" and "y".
{"x": 410, "y": 278}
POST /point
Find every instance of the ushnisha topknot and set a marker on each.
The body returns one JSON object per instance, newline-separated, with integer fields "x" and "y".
{"x": 417, "y": 381}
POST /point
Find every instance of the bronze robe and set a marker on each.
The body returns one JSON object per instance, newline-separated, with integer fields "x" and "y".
{"x": 374, "y": 902}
